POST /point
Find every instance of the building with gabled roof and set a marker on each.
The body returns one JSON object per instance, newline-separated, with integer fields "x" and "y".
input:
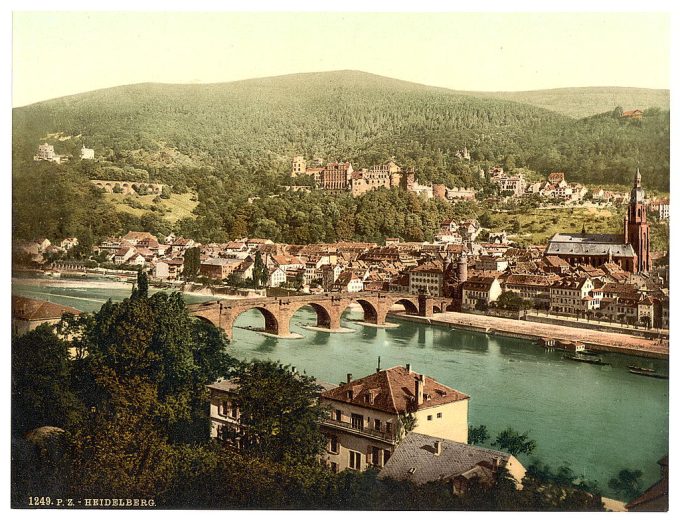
{"x": 421, "y": 459}
{"x": 28, "y": 313}
{"x": 368, "y": 416}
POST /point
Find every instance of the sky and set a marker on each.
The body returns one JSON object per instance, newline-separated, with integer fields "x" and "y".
{"x": 61, "y": 53}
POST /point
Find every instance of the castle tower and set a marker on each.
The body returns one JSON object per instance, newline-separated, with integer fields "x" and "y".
{"x": 462, "y": 269}
{"x": 636, "y": 228}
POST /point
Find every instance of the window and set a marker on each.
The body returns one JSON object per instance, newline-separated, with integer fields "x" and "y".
{"x": 354, "y": 460}
{"x": 224, "y": 408}
{"x": 333, "y": 445}
{"x": 334, "y": 467}
{"x": 439, "y": 414}
{"x": 234, "y": 411}
{"x": 338, "y": 415}
{"x": 386, "y": 455}
{"x": 377, "y": 424}
{"x": 357, "y": 421}
{"x": 375, "y": 456}
{"x": 429, "y": 417}
{"x": 388, "y": 427}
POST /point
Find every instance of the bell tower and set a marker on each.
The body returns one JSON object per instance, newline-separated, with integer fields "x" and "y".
{"x": 635, "y": 226}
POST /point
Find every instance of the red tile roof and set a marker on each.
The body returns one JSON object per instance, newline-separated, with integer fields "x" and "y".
{"x": 32, "y": 310}
{"x": 394, "y": 391}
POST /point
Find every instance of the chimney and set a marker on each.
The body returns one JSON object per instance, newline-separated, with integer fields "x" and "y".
{"x": 437, "y": 448}
{"x": 293, "y": 369}
{"x": 349, "y": 377}
{"x": 378, "y": 367}
{"x": 408, "y": 367}
{"x": 420, "y": 385}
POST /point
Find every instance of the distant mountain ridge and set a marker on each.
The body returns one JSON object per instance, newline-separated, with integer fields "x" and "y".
{"x": 576, "y": 102}
{"x": 579, "y": 102}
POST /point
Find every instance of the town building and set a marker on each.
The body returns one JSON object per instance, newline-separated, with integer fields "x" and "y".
{"x": 348, "y": 281}
{"x": 27, "y": 314}
{"x": 276, "y": 277}
{"x": 218, "y": 268}
{"x": 480, "y": 291}
{"x": 572, "y": 295}
{"x": 427, "y": 278}
{"x": 532, "y": 287}
{"x": 368, "y": 416}
{"x": 422, "y": 459}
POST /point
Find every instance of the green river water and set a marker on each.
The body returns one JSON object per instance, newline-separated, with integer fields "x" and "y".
{"x": 595, "y": 419}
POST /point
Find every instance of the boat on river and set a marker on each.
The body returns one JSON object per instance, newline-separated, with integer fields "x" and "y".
{"x": 646, "y": 371}
{"x": 593, "y": 360}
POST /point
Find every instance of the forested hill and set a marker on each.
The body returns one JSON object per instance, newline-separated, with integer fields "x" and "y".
{"x": 232, "y": 141}
{"x": 580, "y": 102}
{"x": 259, "y": 124}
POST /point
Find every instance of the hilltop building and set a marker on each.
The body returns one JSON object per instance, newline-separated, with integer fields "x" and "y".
{"x": 86, "y": 154}
{"x": 46, "y": 153}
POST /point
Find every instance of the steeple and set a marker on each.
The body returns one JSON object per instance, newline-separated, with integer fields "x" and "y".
{"x": 637, "y": 194}
{"x": 636, "y": 228}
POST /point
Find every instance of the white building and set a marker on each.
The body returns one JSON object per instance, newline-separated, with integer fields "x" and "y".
{"x": 86, "y": 154}
{"x": 276, "y": 278}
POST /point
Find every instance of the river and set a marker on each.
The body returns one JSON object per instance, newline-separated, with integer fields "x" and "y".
{"x": 595, "y": 419}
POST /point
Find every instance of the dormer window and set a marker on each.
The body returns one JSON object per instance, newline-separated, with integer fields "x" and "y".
{"x": 350, "y": 395}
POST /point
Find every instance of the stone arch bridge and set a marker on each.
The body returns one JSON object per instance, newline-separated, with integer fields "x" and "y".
{"x": 329, "y": 307}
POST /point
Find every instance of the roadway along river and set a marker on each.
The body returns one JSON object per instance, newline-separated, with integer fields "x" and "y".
{"x": 597, "y": 420}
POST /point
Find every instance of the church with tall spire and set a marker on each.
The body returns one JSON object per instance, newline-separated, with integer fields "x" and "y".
{"x": 635, "y": 226}
{"x": 629, "y": 250}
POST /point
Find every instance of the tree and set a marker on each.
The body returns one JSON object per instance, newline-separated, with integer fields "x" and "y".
{"x": 192, "y": 263}
{"x": 154, "y": 339}
{"x": 259, "y": 271}
{"x": 627, "y": 483}
{"x": 514, "y": 442}
{"x": 41, "y": 392}
{"x": 512, "y": 301}
{"x": 477, "y": 435}
{"x": 142, "y": 290}
{"x": 280, "y": 412}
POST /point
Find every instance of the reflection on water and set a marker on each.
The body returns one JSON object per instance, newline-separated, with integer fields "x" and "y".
{"x": 597, "y": 420}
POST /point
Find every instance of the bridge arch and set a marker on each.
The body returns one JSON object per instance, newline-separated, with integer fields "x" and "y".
{"x": 271, "y": 322}
{"x": 323, "y": 315}
{"x": 370, "y": 312}
{"x": 410, "y": 306}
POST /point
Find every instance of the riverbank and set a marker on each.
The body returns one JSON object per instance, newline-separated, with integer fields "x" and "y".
{"x": 594, "y": 340}
{"x": 87, "y": 283}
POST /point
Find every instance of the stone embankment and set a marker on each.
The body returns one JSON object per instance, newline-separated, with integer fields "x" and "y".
{"x": 593, "y": 339}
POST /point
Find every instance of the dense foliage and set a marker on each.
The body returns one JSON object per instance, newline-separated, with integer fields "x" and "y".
{"x": 232, "y": 142}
